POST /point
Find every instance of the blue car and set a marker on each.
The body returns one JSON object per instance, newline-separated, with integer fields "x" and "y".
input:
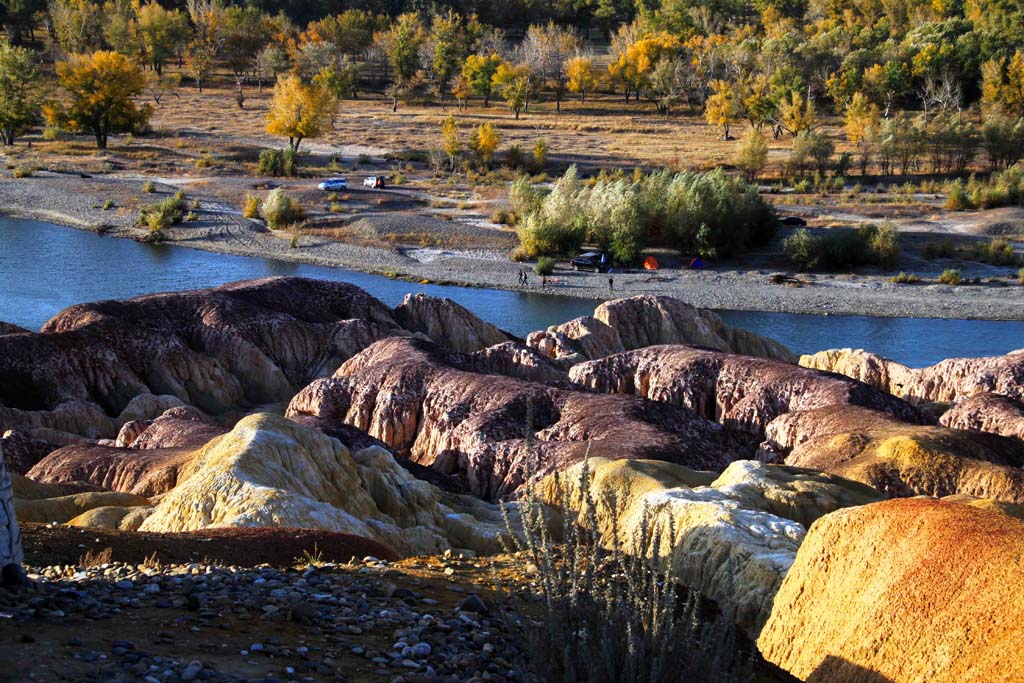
{"x": 333, "y": 184}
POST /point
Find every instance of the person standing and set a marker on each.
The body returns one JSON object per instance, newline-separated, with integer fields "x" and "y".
{"x": 611, "y": 284}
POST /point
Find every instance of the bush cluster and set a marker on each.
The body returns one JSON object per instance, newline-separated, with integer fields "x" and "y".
{"x": 842, "y": 249}
{"x": 951, "y": 276}
{"x": 278, "y": 162}
{"x": 1004, "y": 188}
{"x": 280, "y": 210}
{"x": 998, "y": 252}
{"x": 709, "y": 214}
{"x": 162, "y": 215}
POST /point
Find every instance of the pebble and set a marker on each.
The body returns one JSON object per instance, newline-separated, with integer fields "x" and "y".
{"x": 349, "y": 609}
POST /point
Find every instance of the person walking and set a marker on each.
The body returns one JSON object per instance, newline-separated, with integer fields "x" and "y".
{"x": 611, "y": 284}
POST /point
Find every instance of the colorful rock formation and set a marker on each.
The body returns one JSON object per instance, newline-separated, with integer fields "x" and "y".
{"x": 902, "y": 591}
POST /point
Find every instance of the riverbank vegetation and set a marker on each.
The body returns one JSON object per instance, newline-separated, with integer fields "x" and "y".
{"x": 712, "y": 215}
{"x": 843, "y": 249}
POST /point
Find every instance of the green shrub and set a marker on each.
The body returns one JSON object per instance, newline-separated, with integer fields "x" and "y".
{"x": 148, "y": 187}
{"x": 23, "y": 171}
{"x": 336, "y": 207}
{"x": 278, "y": 162}
{"x": 191, "y": 217}
{"x": 545, "y": 266}
{"x": 252, "y": 206}
{"x": 280, "y": 210}
{"x": 842, "y": 249}
{"x": 803, "y": 249}
{"x": 950, "y": 276}
{"x": 364, "y": 159}
{"x": 108, "y": 205}
{"x": 905, "y": 279}
{"x": 162, "y": 215}
{"x": 502, "y": 217}
{"x": 710, "y": 214}
{"x": 956, "y": 197}
{"x": 998, "y": 252}
{"x": 206, "y": 161}
{"x": 398, "y": 178}
{"x": 883, "y": 243}
{"x": 515, "y": 158}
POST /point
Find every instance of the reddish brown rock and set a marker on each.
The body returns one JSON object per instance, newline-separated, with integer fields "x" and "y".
{"x": 949, "y": 381}
{"x": 987, "y": 413}
{"x": 11, "y": 328}
{"x": 576, "y": 341}
{"x": 740, "y": 392}
{"x": 652, "y": 320}
{"x": 898, "y": 458}
{"x": 447, "y": 324}
{"x": 177, "y": 428}
{"x": 147, "y": 472}
{"x": 440, "y": 410}
{"x": 23, "y": 450}
{"x": 902, "y": 591}
{"x": 241, "y": 344}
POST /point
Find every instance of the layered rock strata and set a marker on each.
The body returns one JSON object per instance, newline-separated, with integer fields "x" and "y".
{"x": 441, "y": 410}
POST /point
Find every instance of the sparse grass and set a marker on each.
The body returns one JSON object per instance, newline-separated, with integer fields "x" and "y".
{"x": 108, "y": 205}
{"x": 191, "y": 217}
{"x": 95, "y": 559}
{"x": 951, "y": 276}
{"x": 615, "y": 615}
{"x": 308, "y": 559}
{"x": 23, "y": 171}
{"x": 336, "y": 207}
{"x": 149, "y": 187}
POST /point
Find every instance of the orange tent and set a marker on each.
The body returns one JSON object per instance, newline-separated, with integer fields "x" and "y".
{"x": 651, "y": 263}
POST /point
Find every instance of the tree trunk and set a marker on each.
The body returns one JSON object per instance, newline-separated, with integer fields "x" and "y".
{"x": 394, "y": 104}
{"x": 10, "y": 537}
{"x": 101, "y": 140}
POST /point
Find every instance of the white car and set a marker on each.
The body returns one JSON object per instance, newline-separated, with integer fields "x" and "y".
{"x": 374, "y": 181}
{"x": 332, "y": 184}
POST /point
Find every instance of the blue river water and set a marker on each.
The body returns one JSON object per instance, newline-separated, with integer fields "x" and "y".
{"x": 44, "y": 268}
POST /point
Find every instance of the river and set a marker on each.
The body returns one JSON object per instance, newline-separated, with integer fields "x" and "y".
{"x": 45, "y": 268}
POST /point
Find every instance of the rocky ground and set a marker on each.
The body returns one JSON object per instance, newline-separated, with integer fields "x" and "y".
{"x": 140, "y": 424}
{"x": 77, "y": 202}
{"x": 426, "y": 619}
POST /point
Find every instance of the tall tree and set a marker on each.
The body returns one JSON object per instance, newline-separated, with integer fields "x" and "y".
{"x": 299, "y": 110}
{"x": 19, "y": 95}
{"x": 161, "y": 32}
{"x": 102, "y": 88}
{"x": 401, "y": 44}
{"x": 478, "y": 71}
{"x": 515, "y": 84}
{"x": 452, "y": 38}
{"x": 546, "y": 49}
{"x": 581, "y": 77}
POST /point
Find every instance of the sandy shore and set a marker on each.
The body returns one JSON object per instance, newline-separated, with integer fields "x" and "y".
{"x": 76, "y": 202}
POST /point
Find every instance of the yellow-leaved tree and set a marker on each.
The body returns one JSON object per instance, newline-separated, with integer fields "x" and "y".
{"x": 580, "y": 72}
{"x": 722, "y": 108}
{"x": 101, "y": 89}
{"x": 452, "y": 144}
{"x": 862, "y": 116}
{"x": 485, "y": 142}
{"x": 299, "y": 110}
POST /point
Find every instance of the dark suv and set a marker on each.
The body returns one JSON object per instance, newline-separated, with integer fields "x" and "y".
{"x": 596, "y": 261}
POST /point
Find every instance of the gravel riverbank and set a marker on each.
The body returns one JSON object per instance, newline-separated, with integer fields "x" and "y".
{"x": 77, "y": 202}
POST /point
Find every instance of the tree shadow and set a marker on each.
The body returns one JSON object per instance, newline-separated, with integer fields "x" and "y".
{"x": 838, "y": 670}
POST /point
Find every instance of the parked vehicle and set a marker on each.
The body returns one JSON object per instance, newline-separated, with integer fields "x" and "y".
{"x": 794, "y": 221}
{"x": 596, "y": 261}
{"x": 333, "y": 184}
{"x": 375, "y": 181}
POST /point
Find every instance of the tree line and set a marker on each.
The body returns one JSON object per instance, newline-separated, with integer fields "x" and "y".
{"x": 951, "y": 69}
